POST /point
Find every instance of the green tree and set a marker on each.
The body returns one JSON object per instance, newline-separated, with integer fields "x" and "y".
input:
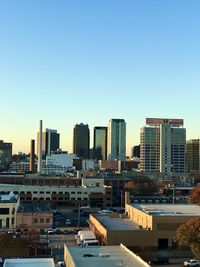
{"x": 188, "y": 234}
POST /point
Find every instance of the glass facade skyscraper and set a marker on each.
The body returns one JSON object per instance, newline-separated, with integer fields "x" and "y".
{"x": 81, "y": 141}
{"x": 100, "y": 143}
{"x": 116, "y": 149}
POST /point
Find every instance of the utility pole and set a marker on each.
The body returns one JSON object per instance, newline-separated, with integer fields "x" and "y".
{"x": 173, "y": 195}
{"x": 78, "y": 222}
{"x": 121, "y": 198}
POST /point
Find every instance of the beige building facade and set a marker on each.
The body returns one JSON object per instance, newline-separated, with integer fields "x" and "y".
{"x": 9, "y": 204}
{"x": 151, "y": 225}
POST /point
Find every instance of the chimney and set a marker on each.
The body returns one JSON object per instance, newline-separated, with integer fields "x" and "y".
{"x": 39, "y": 167}
{"x": 32, "y": 157}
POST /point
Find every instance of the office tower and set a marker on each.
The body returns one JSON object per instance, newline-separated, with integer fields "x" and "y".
{"x": 81, "y": 140}
{"x": 116, "y": 148}
{"x": 136, "y": 152}
{"x": 100, "y": 143}
{"x": 193, "y": 155}
{"x": 32, "y": 156}
{"x": 50, "y": 142}
{"x": 39, "y": 164}
{"x": 162, "y": 146}
{"x": 5, "y": 154}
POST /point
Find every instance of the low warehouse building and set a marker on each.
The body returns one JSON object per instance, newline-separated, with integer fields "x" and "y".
{"x": 151, "y": 225}
{"x": 98, "y": 256}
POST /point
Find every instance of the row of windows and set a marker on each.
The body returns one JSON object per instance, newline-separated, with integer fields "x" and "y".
{"x": 54, "y": 192}
{"x": 53, "y": 198}
{"x": 41, "y": 220}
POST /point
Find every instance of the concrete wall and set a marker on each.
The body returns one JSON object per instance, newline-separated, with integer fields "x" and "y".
{"x": 67, "y": 258}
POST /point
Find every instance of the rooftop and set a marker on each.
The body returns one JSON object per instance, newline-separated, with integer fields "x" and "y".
{"x": 29, "y": 263}
{"x": 11, "y": 197}
{"x": 115, "y": 223}
{"x": 169, "y": 209}
{"x": 107, "y": 256}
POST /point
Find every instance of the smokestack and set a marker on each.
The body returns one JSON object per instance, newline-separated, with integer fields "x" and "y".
{"x": 39, "y": 167}
{"x": 32, "y": 157}
{"x": 49, "y": 143}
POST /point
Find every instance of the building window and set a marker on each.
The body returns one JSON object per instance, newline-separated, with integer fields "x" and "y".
{"x": 42, "y": 220}
{"x": 4, "y": 210}
{"x": 47, "y": 220}
{"x": 35, "y": 220}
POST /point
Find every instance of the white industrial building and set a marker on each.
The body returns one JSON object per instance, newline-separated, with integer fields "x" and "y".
{"x": 61, "y": 159}
{"x": 98, "y": 256}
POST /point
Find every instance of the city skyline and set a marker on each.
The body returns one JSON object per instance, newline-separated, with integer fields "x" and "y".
{"x": 67, "y": 63}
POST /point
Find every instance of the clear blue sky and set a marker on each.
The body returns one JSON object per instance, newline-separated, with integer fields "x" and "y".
{"x": 87, "y": 61}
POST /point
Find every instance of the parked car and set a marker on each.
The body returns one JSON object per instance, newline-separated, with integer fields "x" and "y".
{"x": 51, "y": 231}
{"x": 18, "y": 232}
{"x": 191, "y": 262}
{"x": 68, "y": 222}
{"x": 11, "y": 231}
{"x": 159, "y": 260}
{"x": 58, "y": 232}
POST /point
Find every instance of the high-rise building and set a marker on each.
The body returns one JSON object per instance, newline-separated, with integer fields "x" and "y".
{"x": 50, "y": 142}
{"x": 5, "y": 154}
{"x": 116, "y": 148}
{"x": 193, "y": 155}
{"x": 100, "y": 143}
{"x": 135, "y": 153}
{"x": 81, "y": 140}
{"x": 163, "y": 146}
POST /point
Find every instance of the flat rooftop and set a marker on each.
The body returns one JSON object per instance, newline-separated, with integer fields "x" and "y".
{"x": 168, "y": 209}
{"x": 9, "y": 198}
{"x": 106, "y": 256}
{"x": 29, "y": 263}
{"x": 116, "y": 224}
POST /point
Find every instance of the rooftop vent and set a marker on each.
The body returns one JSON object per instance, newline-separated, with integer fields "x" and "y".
{"x": 88, "y": 255}
{"x": 104, "y": 255}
